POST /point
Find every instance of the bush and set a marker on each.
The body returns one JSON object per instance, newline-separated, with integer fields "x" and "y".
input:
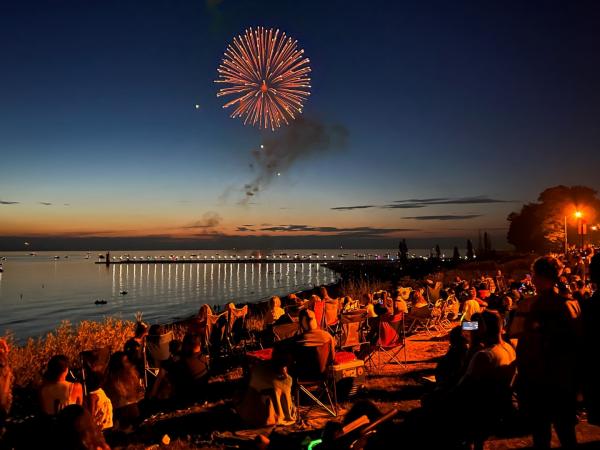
{"x": 29, "y": 361}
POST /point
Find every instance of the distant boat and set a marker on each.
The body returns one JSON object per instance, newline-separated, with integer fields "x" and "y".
{"x": 123, "y": 292}
{"x": 57, "y": 257}
{"x": 101, "y": 257}
{"x": 100, "y": 302}
{"x": 32, "y": 254}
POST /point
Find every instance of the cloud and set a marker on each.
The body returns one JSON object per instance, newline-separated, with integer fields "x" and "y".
{"x": 244, "y": 228}
{"x": 447, "y": 217}
{"x": 347, "y": 232}
{"x": 477, "y": 200}
{"x": 66, "y": 204}
{"x": 6, "y": 202}
{"x": 302, "y": 139}
{"x": 45, "y": 203}
{"x": 414, "y": 203}
{"x": 210, "y": 219}
{"x": 350, "y": 208}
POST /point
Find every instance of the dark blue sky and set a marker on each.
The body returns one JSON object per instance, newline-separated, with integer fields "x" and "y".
{"x": 453, "y": 100}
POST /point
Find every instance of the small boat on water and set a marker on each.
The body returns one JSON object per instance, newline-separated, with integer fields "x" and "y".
{"x": 123, "y": 292}
{"x": 100, "y": 302}
{"x": 56, "y": 257}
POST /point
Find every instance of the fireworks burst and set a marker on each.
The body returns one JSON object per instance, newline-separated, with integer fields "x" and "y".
{"x": 268, "y": 75}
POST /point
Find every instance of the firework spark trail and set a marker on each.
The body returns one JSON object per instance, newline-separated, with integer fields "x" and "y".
{"x": 268, "y": 75}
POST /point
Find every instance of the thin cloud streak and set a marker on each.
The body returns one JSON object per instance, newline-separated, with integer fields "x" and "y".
{"x": 445, "y": 217}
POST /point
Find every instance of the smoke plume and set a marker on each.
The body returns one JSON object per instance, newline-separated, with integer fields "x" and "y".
{"x": 302, "y": 139}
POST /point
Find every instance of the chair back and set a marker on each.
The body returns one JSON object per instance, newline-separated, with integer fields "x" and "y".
{"x": 285, "y": 331}
{"x": 158, "y": 347}
{"x": 433, "y": 292}
{"x": 391, "y": 330}
{"x": 331, "y": 312}
{"x": 352, "y": 326}
{"x": 311, "y": 362}
{"x": 319, "y": 310}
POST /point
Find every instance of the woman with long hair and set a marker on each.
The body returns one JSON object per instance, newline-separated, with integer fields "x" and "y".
{"x": 56, "y": 392}
{"x": 124, "y": 388}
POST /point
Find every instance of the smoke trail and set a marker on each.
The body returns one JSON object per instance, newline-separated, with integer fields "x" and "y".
{"x": 302, "y": 139}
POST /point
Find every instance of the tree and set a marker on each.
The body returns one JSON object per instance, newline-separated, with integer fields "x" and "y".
{"x": 539, "y": 226}
{"x": 403, "y": 250}
{"x": 456, "y": 255}
{"x": 470, "y": 254}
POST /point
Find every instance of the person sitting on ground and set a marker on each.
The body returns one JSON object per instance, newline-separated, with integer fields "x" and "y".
{"x": 6, "y": 382}
{"x": 98, "y": 403}
{"x": 124, "y": 388}
{"x": 76, "y": 430}
{"x": 191, "y": 370}
{"x": 56, "y": 392}
{"x": 134, "y": 347}
{"x": 471, "y": 305}
{"x": 275, "y": 311}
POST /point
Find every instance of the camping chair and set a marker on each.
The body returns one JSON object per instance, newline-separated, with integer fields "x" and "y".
{"x": 95, "y": 360}
{"x": 318, "y": 306}
{"x": 331, "y": 316}
{"x": 312, "y": 377}
{"x": 356, "y": 434}
{"x": 236, "y": 320}
{"x": 433, "y": 292}
{"x": 353, "y": 326}
{"x": 285, "y": 331}
{"x": 424, "y": 321}
{"x": 391, "y": 340}
{"x": 157, "y": 351}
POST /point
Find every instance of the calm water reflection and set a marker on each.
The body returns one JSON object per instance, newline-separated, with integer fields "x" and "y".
{"x": 37, "y": 292}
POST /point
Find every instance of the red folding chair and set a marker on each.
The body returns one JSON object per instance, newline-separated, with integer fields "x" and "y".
{"x": 391, "y": 341}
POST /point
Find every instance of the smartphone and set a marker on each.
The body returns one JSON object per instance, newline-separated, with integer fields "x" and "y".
{"x": 470, "y": 326}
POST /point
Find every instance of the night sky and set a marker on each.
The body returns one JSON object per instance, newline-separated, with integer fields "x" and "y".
{"x": 456, "y": 113}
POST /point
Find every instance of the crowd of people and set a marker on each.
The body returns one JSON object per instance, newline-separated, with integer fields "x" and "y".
{"x": 531, "y": 339}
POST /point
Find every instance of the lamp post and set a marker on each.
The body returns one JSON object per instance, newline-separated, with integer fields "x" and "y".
{"x": 579, "y": 215}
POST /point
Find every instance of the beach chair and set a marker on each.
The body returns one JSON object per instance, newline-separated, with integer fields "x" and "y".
{"x": 312, "y": 377}
{"x": 433, "y": 292}
{"x": 331, "y": 316}
{"x": 285, "y": 331}
{"x": 236, "y": 319}
{"x": 391, "y": 341}
{"x": 157, "y": 351}
{"x": 423, "y": 321}
{"x": 353, "y": 327}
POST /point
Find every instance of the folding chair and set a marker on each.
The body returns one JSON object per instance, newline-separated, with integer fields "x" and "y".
{"x": 353, "y": 327}
{"x": 156, "y": 352}
{"x": 285, "y": 331}
{"x": 391, "y": 340}
{"x": 95, "y": 360}
{"x": 331, "y": 316}
{"x": 312, "y": 376}
{"x": 424, "y": 321}
{"x": 236, "y": 319}
{"x": 433, "y": 292}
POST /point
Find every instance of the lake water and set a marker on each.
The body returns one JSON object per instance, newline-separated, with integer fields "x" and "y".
{"x": 39, "y": 291}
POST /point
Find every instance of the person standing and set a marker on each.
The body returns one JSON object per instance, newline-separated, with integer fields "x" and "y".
{"x": 591, "y": 330}
{"x": 547, "y": 359}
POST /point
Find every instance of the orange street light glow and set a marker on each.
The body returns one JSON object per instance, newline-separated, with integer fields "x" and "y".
{"x": 578, "y": 214}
